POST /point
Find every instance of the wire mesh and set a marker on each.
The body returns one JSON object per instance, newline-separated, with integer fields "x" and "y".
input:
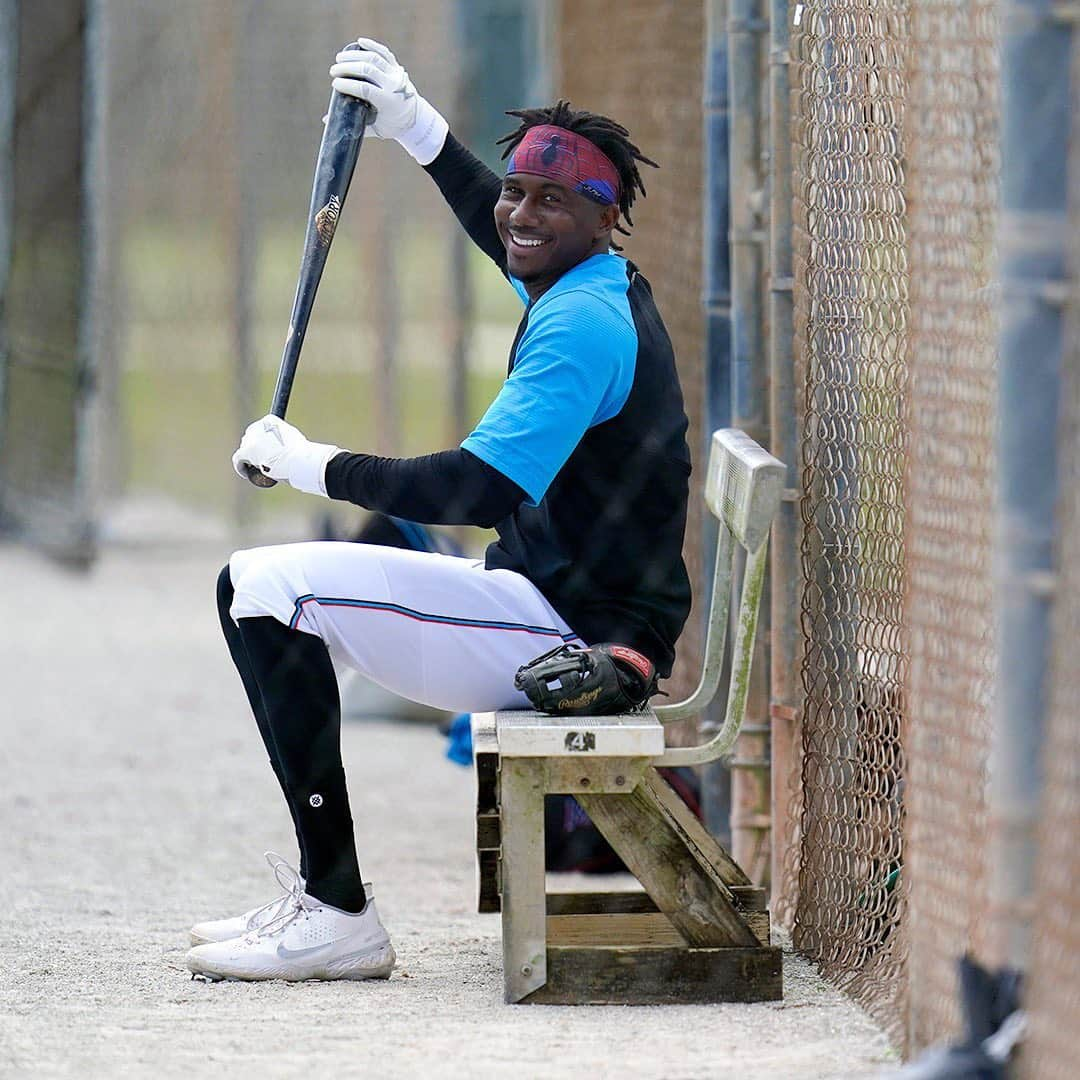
{"x": 951, "y": 139}
{"x": 848, "y": 85}
{"x": 1053, "y": 997}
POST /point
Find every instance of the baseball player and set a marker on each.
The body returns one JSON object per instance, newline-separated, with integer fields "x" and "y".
{"x": 580, "y": 464}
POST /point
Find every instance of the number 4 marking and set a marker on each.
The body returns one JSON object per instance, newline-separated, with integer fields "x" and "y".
{"x": 580, "y": 740}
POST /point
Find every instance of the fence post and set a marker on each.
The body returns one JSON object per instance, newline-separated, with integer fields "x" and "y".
{"x": 783, "y": 432}
{"x": 95, "y": 343}
{"x": 716, "y": 279}
{"x": 1032, "y": 256}
{"x": 9, "y": 47}
{"x": 750, "y": 765}
{"x": 242, "y": 239}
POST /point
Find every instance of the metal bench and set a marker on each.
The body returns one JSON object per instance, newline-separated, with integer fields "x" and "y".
{"x": 699, "y": 931}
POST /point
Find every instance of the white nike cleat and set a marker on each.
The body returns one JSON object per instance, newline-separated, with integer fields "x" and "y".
{"x": 307, "y": 940}
{"x": 225, "y": 929}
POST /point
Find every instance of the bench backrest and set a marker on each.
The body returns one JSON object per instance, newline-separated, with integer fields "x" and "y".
{"x": 743, "y": 488}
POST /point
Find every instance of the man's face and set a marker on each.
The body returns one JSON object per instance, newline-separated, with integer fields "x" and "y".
{"x": 547, "y": 229}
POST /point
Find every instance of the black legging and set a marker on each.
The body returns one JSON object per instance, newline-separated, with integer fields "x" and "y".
{"x": 292, "y": 688}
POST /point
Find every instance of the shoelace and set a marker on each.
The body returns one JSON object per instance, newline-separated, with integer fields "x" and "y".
{"x": 279, "y": 903}
{"x": 292, "y": 903}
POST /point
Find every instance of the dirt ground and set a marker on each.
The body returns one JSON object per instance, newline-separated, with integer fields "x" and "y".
{"x": 137, "y": 799}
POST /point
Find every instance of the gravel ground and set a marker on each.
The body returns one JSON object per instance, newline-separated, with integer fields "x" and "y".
{"x": 137, "y": 800}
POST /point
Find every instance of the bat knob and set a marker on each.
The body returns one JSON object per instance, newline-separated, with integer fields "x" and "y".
{"x": 258, "y": 478}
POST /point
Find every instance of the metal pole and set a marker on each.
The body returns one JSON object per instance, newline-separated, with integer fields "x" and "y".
{"x": 1032, "y": 265}
{"x": 106, "y": 198}
{"x": 9, "y": 47}
{"x": 461, "y": 291}
{"x": 243, "y": 220}
{"x": 94, "y": 309}
{"x": 716, "y": 777}
{"x": 784, "y": 435}
{"x": 748, "y": 371}
{"x": 750, "y": 766}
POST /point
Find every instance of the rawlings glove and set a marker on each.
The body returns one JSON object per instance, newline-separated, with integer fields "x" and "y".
{"x": 283, "y": 453}
{"x": 369, "y": 71}
{"x": 598, "y": 681}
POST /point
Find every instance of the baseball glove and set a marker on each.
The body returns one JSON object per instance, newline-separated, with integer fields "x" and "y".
{"x": 598, "y": 681}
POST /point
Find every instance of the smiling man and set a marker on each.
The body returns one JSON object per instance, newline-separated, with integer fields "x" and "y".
{"x": 580, "y": 464}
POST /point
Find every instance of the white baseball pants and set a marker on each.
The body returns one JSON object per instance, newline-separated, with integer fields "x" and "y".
{"x": 436, "y": 629}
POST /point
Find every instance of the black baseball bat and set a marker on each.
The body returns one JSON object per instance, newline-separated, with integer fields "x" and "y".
{"x": 344, "y": 133}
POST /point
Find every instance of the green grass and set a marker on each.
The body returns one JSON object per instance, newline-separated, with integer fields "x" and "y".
{"x": 180, "y": 422}
{"x": 182, "y": 433}
{"x": 171, "y": 271}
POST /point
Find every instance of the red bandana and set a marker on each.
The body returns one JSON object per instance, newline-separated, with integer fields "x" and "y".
{"x": 568, "y": 159}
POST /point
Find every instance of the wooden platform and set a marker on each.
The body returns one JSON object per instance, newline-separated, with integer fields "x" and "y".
{"x": 698, "y": 931}
{"x": 636, "y": 974}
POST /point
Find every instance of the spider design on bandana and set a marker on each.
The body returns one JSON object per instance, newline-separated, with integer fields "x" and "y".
{"x": 568, "y": 159}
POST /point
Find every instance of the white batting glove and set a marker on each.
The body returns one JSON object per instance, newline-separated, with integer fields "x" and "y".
{"x": 370, "y": 72}
{"x": 283, "y": 453}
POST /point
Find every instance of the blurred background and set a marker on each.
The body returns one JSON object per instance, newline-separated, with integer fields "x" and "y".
{"x": 863, "y": 238}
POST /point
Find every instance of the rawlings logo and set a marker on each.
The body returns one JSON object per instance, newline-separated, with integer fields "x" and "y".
{"x": 581, "y": 701}
{"x": 633, "y": 658}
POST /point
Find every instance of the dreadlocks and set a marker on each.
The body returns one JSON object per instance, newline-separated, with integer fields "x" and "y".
{"x": 611, "y": 137}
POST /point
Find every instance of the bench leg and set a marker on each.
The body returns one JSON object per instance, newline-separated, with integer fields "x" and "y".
{"x": 524, "y": 904}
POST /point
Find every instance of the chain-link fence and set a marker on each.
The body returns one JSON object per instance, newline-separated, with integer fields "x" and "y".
{"x": 951, "y": 139}
{"x": 850, "y": 348}
{"x": 896, "y": 140}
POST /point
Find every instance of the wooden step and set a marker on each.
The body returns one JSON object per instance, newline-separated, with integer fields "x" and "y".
{"x": 658, "y": 975}
{"x": 635, "y": 928}
{"x": 746, "y": 897}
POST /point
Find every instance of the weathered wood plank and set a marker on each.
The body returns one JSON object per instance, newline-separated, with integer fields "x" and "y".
{"x": 614, "y": 975}
{"x": 694, "y": 834}
{"x": 640, "y": 927}
{"x": 746, "y": 897}
{"x": 633, "y": 928}
{"x": 599, "y": 903}
{"x": 750, "y": 897}
{"x": 758, "y": 921}
{"x": 688, "y": 890}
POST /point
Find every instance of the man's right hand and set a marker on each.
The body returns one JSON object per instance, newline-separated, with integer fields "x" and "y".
{"x": 370, "y": 71}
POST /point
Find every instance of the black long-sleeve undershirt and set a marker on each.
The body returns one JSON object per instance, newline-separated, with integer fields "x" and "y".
{"x": 452, "y": 487}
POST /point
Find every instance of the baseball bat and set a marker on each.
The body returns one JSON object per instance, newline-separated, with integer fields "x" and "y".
{"x": 344, "y": 133}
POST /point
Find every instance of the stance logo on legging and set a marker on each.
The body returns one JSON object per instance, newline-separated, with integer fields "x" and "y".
{"x": 316, "y": 801}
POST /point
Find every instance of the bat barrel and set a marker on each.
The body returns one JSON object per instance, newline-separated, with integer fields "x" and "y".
{"x": 342, "y": 138}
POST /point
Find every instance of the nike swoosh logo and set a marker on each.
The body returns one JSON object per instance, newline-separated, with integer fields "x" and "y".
{"x": 315, "y": 950}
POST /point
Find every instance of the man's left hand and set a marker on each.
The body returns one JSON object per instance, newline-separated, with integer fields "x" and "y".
{"x": 283, "y": 453}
